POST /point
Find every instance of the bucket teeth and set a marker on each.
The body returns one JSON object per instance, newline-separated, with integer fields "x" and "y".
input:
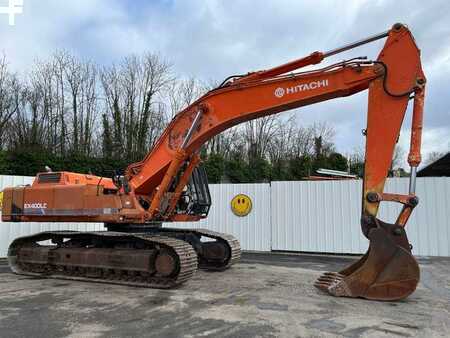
{"x": 328, "y": 278}
{"x": 388, "y": 271}
{"x": 333, "y": 275}
{"x": 333, "y": 283}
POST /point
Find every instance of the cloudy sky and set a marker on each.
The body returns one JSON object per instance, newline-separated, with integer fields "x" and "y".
{"x": 211, "y": 39}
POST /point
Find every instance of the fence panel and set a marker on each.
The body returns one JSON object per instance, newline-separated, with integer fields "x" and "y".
{"x": 253, "y": 230}
{"x": 317, "y": 216}
{"x": 323, "y": 216}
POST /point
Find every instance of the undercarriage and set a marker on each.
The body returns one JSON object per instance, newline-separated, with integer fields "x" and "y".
{"x": 156, "y": 258}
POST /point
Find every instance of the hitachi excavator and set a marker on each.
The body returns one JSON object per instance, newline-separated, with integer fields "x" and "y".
{"x": 170, "y": 185}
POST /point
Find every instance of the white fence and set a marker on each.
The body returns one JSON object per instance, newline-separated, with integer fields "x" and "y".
{"x": 324, "y": 216}
{"x": 298, "y": 216}
{"x": 253, "y": 230}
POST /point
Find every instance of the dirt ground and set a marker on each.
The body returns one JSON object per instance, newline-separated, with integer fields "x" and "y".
{"x": 266, "y": 295}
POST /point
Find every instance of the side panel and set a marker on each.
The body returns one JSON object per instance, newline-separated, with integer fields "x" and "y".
{"x": 11, "y": 230}
{"x": 68, "y": 197}
{"x": 7, "y": 203}
{"x": 52, "y": 202}
{"x": 13, "y": 203}
{"x": 38, "y": 200}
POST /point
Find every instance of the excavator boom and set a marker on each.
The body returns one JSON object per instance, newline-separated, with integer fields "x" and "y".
{"x": 169, "y": 184}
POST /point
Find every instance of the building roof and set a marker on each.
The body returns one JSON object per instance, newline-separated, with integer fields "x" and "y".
{"x": 335, "y": 173}
{"x": 328, "y": 174}
{"x": 440, "y": 167}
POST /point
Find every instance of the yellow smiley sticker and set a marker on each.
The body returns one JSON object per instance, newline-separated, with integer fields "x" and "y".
{"x": 241, "y": 205}
{"x": 1, "y": 199}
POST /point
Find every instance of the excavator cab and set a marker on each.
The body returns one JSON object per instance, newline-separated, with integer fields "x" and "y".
{"x": 197, "y": 198}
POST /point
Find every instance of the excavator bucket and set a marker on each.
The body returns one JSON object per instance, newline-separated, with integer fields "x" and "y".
{"x": 388, "y": 270}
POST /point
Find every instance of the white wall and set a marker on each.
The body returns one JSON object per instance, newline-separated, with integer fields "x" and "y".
{"x": 253, "y": 230}
{"x": 297, "y": 216}
{"x": 324, "y": 216}
{"x": 317, "y": 216}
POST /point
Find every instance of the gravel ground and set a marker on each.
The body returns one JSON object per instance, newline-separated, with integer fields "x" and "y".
{"x": 266, "y": 295}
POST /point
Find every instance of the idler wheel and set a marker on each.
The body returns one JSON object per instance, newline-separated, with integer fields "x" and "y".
{"x": 215, "y": 251}
{"x": 165, "y": 264}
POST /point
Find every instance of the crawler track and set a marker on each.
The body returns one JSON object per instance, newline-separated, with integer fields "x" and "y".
{"x": 145, "y": 260}
{"x": 230, "y": 254}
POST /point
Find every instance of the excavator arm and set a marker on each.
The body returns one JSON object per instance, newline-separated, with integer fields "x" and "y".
{"x": 162, "y": 186}
{"x": 391, "y": 80}
{"x": 388, "y": 271}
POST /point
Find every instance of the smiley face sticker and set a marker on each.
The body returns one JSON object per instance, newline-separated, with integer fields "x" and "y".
{"x": 241, "y": 205}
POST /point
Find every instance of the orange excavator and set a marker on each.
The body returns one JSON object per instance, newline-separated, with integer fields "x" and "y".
{"x": 169, "y": 184}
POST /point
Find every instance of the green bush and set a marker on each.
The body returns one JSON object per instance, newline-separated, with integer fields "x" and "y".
{"x": 28, "y": 162}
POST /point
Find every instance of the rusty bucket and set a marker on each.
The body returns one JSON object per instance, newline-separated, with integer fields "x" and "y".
{"x": 388, "y": 270}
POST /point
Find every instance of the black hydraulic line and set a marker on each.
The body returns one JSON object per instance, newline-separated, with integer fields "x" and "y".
{"x": 229, "y": 78}
{"x": 408, "y": 92}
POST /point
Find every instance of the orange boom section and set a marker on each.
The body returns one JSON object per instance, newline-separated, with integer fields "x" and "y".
{"x": 396, "y": 74}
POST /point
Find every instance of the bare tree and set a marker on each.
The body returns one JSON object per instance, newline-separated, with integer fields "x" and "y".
{"x": 33, "y": 122}
{"x": 323, "y": 138}
{"x": 74, "y": 76}
{"x": 226, "y": 143}
{"x": 133, "y": 91}
{"x": 112, "y": 93}
{"x": 9, "y": 97}
{"x": 283, "y": 143}
{"x": 183, "y": 92}
{"x": 303, "y": 142}
{"x": 257, "y": 135}
{"x": 60, "y": 126}
{"x": 398, "y": 157}
{"x": 88, "y": 106}
{"x": 57, "y": 93}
